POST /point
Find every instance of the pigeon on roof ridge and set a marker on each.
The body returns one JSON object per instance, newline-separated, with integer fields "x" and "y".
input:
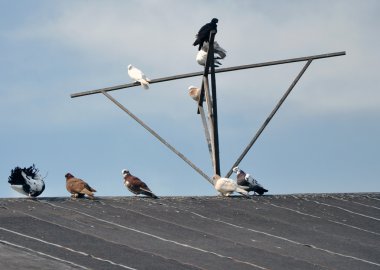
{"x": 135, "y": 185}
{"x": 27, "y": 181}
{"x": 78, "y": 187}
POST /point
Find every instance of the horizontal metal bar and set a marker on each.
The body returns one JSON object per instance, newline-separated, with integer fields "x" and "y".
{"x": 194, "y": 74}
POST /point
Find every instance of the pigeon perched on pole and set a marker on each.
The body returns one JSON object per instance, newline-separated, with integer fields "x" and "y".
{"x": 194, "y": 92}
{"x": 135, "y": 185}
{"x": 202, "y": 54}
{"x": 138, "y": 76}
{"x": 245, "y": 180}
{"x": 77, "y": 187}
{"x": 27, "y": 181}
{"x": 204, "y": 33}
{"x": 226, "y": 186}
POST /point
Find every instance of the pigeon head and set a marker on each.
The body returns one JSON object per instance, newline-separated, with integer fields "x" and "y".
{"x": 215, "y": 178}
{"x": 130, "y": 67}
{"x": 214, "y": 20}
{"x": 236, "y": 170}
{"x": 125, "y": 172}
{"x": 68, "y": 176}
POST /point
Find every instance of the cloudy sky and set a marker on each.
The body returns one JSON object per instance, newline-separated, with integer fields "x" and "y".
{"x": 325, "y": 138}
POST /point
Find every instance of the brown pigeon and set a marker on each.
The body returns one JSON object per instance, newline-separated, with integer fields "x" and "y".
{"x": 135, "y": 185}
{"x": 77, "y": 187}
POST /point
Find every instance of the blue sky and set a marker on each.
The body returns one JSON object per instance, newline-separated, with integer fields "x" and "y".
{"x": 325, "y": 138}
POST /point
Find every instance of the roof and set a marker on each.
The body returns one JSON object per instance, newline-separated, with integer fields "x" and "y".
{"x": 308, "y": 231}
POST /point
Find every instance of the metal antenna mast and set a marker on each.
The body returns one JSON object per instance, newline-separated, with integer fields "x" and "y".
{"x": 210, "y": 122}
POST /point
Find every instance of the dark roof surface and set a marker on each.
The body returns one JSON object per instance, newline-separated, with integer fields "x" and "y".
{"x": 312, "y": 231}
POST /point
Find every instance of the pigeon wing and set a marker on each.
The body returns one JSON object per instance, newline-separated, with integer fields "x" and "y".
{"x": 135, "y": 74}
{"x": 35, "y": 185}
{"x": 227, "y": 185}
{"x": 75, "y": 185}
{"x": 241, "y": 180}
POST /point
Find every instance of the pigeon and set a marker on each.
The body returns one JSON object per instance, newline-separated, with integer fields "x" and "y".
{"x": 194, "y": 92}
{"x": 245, "y": 180}
{"x": 202, "y": 54}
{"x": 77, "y": 187}
{"x": 138, "y": 76}
{"x": 135, "y": 185}
{"x": 227, "y": 186}
{"x": 27, "y": 181}
{"x": 204, "y": 33}
{"x": 219, "y": 50}
{"x": 201, "y": 59}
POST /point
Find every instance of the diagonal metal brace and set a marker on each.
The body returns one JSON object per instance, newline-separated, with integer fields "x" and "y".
{"x": 151, "y": 131}
{"x": 269, "y": 117}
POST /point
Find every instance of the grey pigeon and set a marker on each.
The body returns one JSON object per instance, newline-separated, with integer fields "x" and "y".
{"x": 245, "y": 180}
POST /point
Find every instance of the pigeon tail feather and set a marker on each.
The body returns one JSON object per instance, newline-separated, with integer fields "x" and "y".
{"x": 144, "y": 84}
{"x": 259, "y": 190}
{"x": 87, "y": 192}
{"x": 149, "y": 193}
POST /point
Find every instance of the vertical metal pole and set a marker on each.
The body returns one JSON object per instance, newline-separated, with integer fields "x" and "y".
{"x": 210, "y": 103}
{"x": 215, "y": 132}
{"x": 269, "y": 117}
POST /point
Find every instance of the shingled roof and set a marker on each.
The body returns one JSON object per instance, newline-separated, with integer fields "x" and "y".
{"x": 312, "y": 231}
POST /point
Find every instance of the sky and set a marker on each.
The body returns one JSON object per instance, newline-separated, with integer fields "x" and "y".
{"x": 324, "y": 138}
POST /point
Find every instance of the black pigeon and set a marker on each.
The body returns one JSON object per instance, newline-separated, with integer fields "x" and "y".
{"x": 204, "y": 33}
{"x": 27, "y": 181}
{"x": 245, "y": 180}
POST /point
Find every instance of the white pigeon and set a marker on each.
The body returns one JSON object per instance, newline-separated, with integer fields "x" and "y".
{"x": 219, "y": 50}
{"x": 227, "y": 186}
{"x": 201, "y": 57}
{"x": 138, "y": 76}
{"x": 194, "y": 92}
{"x": 202, "y": 54}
